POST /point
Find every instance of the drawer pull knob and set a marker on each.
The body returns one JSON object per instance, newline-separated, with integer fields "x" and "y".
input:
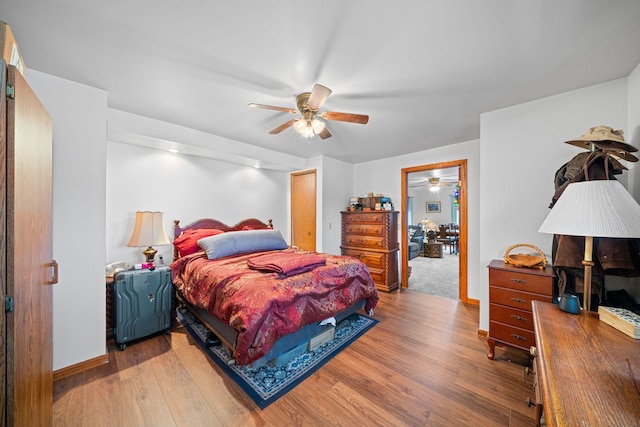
{"x": 518, "y": 337}
{"x": 515, "y": 316}
{"x": 518, "y": 280}
{"x": 529, "y": 402}
{"x": 518, "y": 300}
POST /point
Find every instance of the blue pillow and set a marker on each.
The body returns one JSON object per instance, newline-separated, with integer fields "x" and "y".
{"x": 240, "y": 242}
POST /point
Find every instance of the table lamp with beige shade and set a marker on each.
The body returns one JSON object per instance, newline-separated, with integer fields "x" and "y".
{"x": 148, "y": 232}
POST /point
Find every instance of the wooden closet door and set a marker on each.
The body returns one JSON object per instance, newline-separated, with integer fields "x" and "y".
{"x": 3, "y": 240}
{"x": 303, "y": 209}
{"x": 28, "y": 257}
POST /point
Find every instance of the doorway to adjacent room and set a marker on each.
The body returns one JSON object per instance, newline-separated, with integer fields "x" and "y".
{"x": 431, "y": 208}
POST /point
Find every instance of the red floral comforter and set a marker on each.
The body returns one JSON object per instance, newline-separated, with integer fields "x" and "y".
{"x": 263, "y": 307}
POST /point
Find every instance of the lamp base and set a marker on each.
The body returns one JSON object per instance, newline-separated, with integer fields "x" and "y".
{"x": 149, "y": 254}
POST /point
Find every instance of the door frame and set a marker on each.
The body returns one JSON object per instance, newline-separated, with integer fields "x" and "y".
{"x": 463, "y": 243}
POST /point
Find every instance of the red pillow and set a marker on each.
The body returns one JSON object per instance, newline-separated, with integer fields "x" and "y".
{"x": 187, "y": 243}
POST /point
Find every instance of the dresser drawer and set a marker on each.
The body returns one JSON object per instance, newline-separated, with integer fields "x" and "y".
{"x": 511, "y": 316}
{"x": 365, "y": 229}
{"x": 512, "y": 335}
{"x": 378, "y": 276}
{"x": 524, "y": 281}
{"x": 371, "y": 259}
{"x": 516, "y": 299}
{"x": 373, "y": 217}
{"x": 363, "y": 241}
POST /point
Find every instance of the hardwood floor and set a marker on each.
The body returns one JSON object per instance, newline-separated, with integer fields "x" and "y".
{"x": 423, "y": 364}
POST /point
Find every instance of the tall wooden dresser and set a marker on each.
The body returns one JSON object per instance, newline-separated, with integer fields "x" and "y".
{"x": 511, "y": 290}
{"x": 372, "y": 237}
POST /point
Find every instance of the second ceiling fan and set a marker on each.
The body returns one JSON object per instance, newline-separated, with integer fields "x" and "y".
{"x": 308, "y": 104}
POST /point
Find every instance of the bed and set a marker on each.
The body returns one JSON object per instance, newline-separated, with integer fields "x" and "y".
{"x": 259, "y": 296}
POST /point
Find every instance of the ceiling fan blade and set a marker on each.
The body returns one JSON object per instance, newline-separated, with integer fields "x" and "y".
{"x": 282, "y": 127}
{"x": 345, "y": 117}
{"x": 325, "y": 133}
{"x": 318, "y": 96}
{"x": 271, "y": 107}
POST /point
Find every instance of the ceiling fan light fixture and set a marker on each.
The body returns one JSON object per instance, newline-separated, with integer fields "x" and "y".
{"x": 317, "y": 125}
{"x": 300, "y": 125}
{"x": 303, "y": 127}
{"x": 435, "y": 184}
{"x": 308, "y": 128}
{"x": 308, "y": 132}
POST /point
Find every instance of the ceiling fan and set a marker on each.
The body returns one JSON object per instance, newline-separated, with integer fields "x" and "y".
{"x": 308, "y": 104}
{"x": 435, "y": 183}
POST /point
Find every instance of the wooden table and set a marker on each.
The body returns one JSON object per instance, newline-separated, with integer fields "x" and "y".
{"x": 433, "y": 250}
{"x": 588, "y": 371}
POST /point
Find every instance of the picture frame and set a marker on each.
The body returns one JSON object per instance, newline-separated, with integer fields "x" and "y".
{"x": 433, "y": 207}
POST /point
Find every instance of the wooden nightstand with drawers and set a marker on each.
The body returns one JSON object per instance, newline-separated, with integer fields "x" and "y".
{"x": 511, "y": 290}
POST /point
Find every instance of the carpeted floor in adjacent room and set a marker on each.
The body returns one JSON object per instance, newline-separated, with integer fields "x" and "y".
{"x": 436, "y": 276}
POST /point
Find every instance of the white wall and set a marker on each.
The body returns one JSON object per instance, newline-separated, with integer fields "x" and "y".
{"x": 186, "y": 188}
{"x": 522, "y": 148}
{"x": 79, "y": 139}
{"x": 383, "y": 176}
{"x": 139, "y": 130}
{"x": 337, "y": 181}
{"x": 420, "y": 198}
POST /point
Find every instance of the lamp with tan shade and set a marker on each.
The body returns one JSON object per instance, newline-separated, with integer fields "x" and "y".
{"x": 148, "y": 232}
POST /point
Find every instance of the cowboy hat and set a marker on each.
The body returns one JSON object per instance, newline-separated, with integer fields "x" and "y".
{"x": 603, "y": 137}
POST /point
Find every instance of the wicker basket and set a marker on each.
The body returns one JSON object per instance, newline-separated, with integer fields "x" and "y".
{"x": 537, "y": 260}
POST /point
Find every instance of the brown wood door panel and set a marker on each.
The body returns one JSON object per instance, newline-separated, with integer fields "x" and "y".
{"x": 29, "y": 253}
{"x": 3, "y": 240}
{"x": 303, "y": 210}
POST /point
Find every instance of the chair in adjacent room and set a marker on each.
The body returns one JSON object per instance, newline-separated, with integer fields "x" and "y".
{"x": 448, "y": 235}
{"x": 442, "y": 235}
{"x": 454, "y": 237}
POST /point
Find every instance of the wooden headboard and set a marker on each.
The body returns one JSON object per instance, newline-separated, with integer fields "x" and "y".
{"x": 252, "y": 223}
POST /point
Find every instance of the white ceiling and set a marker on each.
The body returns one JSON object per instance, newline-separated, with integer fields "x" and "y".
{"x": 422, "y": 70}
{"x": 420, "y": 180}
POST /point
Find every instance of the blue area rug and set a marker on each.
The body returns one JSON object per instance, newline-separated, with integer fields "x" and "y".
{"x": 267, "y": 383}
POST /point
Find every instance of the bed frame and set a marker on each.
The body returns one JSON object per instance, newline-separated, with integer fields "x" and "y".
{"x": 227, "y": 334}
{"x": 215, "y": 224}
